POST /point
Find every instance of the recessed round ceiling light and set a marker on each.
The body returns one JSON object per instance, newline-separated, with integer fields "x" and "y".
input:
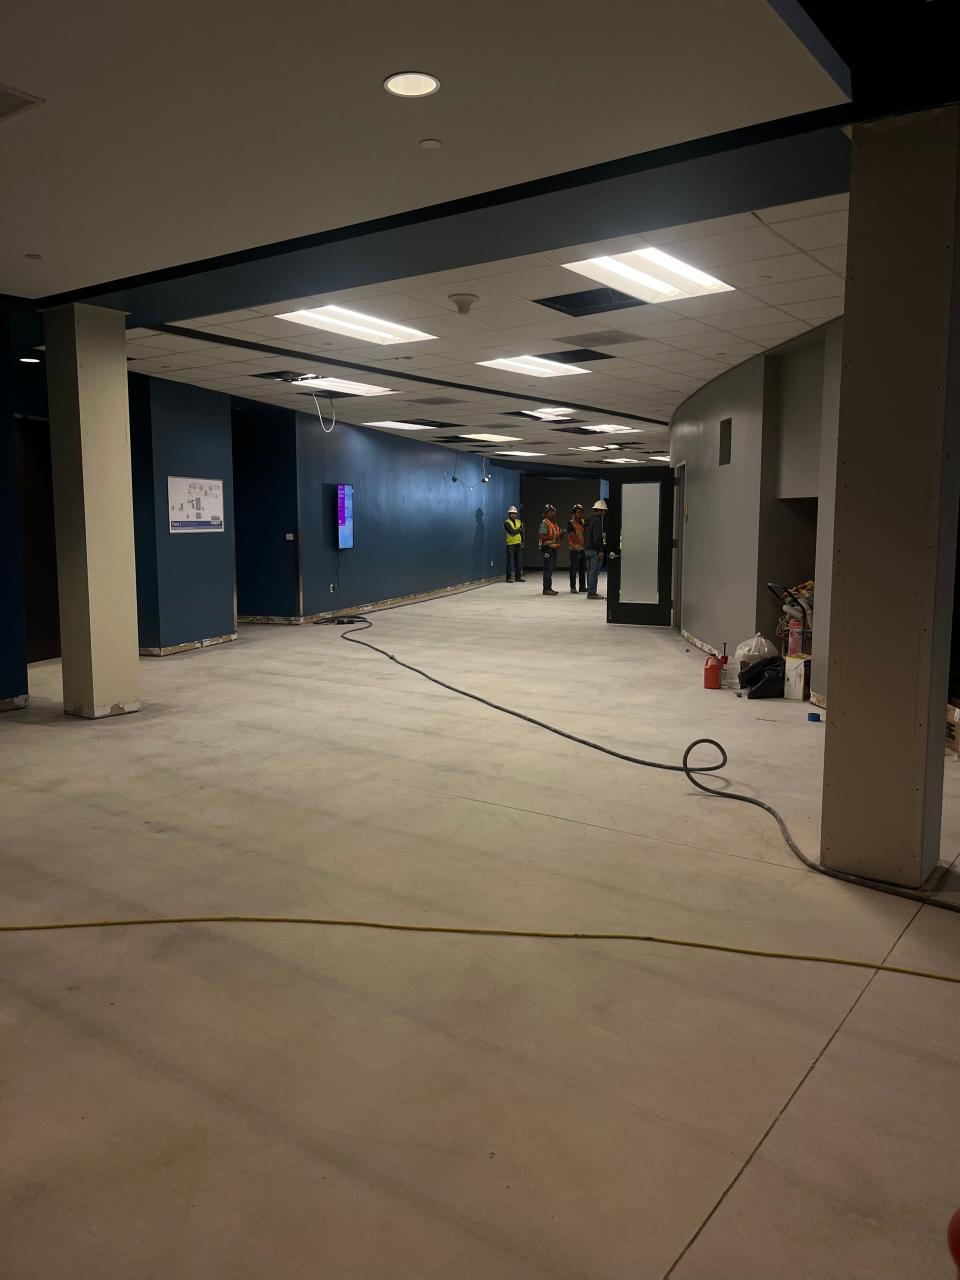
{"x": 431, "y": 144}
{"x": 411, "y": 84}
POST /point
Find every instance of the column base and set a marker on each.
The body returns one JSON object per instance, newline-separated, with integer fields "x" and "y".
{"x": 15, "y": 704}
{"x": 104, "y": 712}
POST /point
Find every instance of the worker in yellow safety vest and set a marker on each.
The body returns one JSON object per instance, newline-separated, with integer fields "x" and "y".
{"x": 513, "y": 528}
{"x": 549, "y": 536}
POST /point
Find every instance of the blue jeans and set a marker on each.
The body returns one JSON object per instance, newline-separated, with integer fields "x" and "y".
{"x": 549, "y": 560}
{"x": 514, "y": 562}
{"x": 593, "y": 570}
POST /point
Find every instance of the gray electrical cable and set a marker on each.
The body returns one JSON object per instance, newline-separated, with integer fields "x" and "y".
{"x": 690, "y": 771}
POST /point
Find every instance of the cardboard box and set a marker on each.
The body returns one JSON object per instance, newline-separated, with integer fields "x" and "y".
{"x": 796, "y": 679}
{"x": 953, "y": 726}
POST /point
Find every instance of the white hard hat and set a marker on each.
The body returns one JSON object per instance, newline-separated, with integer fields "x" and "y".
{"x": 513, "y": 511}
{"x": 599, "y": 505}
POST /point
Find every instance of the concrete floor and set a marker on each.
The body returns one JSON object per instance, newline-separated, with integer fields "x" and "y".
{"x": 259, "y": 1101}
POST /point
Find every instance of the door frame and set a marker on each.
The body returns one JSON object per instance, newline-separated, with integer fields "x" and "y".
{"x": 646, "y": 615}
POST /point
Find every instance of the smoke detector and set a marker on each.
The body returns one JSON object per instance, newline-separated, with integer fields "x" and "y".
{"x": 463, "y": 302}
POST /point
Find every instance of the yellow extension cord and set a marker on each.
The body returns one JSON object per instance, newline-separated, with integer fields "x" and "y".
{"x": 482, "y": 933}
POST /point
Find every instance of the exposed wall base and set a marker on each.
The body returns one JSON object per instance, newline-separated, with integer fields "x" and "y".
{"x": 15, "y": 704}
{"x": 375, "y": 604}
{"x": 699, "y": 644}
{"x": 154, "y": 652}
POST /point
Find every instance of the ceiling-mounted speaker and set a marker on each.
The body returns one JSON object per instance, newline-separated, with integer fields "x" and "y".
{"x": 463, "y": 302}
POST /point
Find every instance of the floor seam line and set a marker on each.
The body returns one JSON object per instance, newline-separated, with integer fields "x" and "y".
{"x": 793, "y": 1093}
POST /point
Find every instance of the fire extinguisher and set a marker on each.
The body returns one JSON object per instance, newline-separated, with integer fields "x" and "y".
{"x": 712, "y": 669}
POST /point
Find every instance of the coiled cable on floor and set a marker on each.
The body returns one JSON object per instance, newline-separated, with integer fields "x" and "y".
{"x": 360, "y": 621}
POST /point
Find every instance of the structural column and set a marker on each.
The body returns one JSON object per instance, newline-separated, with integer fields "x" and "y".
{"x": 898, "y": 480}
{"x": 93, "y": 510}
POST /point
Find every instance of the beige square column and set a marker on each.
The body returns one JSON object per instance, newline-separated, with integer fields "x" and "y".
{"x": 898, "y": 480}
{"x": 93, "y": 509}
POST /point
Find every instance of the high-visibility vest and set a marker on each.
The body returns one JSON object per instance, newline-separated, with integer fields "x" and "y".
{"x": 549, "y": 533}
{"x": 575, "y": 536}
{"x": 514, "y": 531}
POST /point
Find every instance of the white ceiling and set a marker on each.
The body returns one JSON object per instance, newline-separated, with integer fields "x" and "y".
{"x": 786, "y": 265}
{"x": 178, "y": 131}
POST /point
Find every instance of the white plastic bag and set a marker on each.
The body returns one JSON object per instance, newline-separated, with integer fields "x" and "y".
{"x": 751, "y": 650}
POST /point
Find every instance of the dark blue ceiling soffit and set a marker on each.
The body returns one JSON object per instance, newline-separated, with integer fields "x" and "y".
{"x": 754, "y": 168}
{"x": 816, "y": 43}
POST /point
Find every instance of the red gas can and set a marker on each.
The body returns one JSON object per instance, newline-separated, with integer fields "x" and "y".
{"x": 712, "y": 670}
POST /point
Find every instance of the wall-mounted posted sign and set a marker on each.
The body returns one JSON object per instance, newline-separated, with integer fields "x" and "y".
{"x": 196, "y": 506}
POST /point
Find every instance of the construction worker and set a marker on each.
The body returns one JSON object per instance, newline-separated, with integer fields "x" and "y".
{"x": 575, "y": 545}
{"x": 595, "y": 545}
{"x": 513, "y": 528}
{"x": 549, "y": 536}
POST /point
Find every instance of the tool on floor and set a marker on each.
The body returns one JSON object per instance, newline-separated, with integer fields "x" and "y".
{"x": 363, "y": 622}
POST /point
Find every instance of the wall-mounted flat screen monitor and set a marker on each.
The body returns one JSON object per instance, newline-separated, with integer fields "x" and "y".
{"x": 344, "y": 516}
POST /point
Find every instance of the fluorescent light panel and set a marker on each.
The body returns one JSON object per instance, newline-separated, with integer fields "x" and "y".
{"x": 533, "y": 366}
{"x": 549, "y": 413}
{"x": 342, "y": 385}
{"x": 611, "y": 429}
{"x": 626, "y": 459}
{"x": 353, "y": 324}
{"x": 399, "y": 426}
{"x": 491, "y": 439}
{"x": 517, "y": 453}
{"x": 650, "y": 275}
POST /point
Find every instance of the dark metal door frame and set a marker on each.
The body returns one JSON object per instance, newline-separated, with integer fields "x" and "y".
{"x": 648, "y": 615}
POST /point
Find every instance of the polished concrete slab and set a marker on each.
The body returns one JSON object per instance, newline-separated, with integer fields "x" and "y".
{"x": 258, "y": 1101}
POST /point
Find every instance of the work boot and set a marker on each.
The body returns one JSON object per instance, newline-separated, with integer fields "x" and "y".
{"x": 594, "y": 596}
{"x": 549, "y": 591}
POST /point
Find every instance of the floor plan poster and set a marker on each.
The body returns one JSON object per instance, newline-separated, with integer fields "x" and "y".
{"x": 196, "y": 506}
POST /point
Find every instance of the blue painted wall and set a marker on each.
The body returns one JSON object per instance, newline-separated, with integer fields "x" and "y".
{"x": 13, "y": 633}
{"x": 184, "y": 580}
{"x": 414, "y": 529}
{"x": 266, "y": 509}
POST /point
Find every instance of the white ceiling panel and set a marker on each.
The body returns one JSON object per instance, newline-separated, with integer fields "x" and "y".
{"x": 792, "y": 266}
{"x": 817, "y": 310}
{"x": 829, "y": 286}
{"x": 822, "y": 232}
{"x": 697, "y": 230}
{"x": 804, "y": 209}
{"x": 748, "y": 245}
{"x": 672, "y": 349}
{"x": 834, "y": 258}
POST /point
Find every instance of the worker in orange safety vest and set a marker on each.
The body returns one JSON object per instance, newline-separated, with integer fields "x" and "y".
{"x": 549, "y": 536}
{"x": 578, "y": 564}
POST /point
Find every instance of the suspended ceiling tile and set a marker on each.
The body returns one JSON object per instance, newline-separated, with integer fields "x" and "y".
{"x": 710, "y": 305}
{"x": 805, "y": 209}
{"x": 818, "y": 309}
{"x": 543, "y": 282}
{"x": 771, "y": 335}
{"x": 835, "y": 258}
{"x": 505, "y": 266}
{"x": 736, "y": 321}
{"x": 822, "y": 232}
{"x": 829, "y": 286}
{"x": 773, "y": 270}
{"x": 697, "y": 230}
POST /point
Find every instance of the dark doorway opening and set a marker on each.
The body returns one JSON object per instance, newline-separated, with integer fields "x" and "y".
{"x": 42, "y": 597}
